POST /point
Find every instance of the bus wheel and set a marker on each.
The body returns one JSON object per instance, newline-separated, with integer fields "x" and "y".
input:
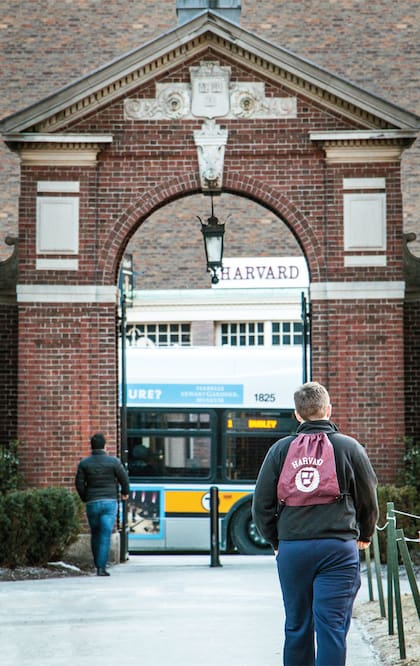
{"x": 244, "y": 534}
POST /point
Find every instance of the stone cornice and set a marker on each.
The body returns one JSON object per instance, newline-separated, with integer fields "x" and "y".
{"x": 251, "y": 60}
{"x": 364, "y": 135}
{"x": 36, "y": 149}
{"x": 364, "y": 146}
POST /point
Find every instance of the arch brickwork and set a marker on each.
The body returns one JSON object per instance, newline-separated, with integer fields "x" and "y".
{"x": 165, "y": 193}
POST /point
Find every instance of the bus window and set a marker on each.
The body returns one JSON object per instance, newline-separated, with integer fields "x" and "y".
{"x": 244, "y": 456}
{"x": 169, "y": 444}
{"x": 248, "y": 436}
{"x": 138, "y": 419}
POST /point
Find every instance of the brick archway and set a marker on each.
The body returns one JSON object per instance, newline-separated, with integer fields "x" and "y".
{"x": 108, "y": 150}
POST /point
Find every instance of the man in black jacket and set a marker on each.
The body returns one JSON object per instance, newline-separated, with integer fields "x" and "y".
{"x": 317, "y": 545}
{"x": 98, "y": 479}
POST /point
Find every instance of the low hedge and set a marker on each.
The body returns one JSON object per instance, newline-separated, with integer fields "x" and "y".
{"x": 37, "y": 525}
{"x": 407, "y": 500}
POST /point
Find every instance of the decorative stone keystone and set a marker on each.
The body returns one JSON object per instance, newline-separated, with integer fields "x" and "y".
{"x": 211, "y": 141}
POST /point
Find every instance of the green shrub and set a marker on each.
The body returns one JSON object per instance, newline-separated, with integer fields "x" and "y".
{"x": 405, "y": 499}
{"x": 37, "y": 525}
{"x": 9, "y": 468}
{"x": 56, "y": 524}
{"x": 412, "y": 464}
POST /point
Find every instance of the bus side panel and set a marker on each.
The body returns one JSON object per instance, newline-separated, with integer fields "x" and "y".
{"x": 176, "y": 518}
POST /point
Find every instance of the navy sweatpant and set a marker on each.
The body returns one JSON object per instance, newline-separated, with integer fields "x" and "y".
{"x": 319, "y": 579}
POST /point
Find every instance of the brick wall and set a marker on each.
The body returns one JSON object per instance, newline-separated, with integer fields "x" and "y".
{"x": 67, "y": 387}
{"x": 357, "y": 351}
{"x": 412, "y": 368}
{"x": 8, "y": 373}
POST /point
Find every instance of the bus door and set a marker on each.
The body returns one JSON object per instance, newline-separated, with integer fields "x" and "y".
{"x": 171, "y": 464}
{"x": 247, "y": 436}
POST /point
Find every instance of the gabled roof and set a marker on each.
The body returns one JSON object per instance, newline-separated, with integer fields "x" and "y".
{"x": 207, "y": 29}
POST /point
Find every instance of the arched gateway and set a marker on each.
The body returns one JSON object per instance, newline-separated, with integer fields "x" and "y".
{"x": 207, "y": 107}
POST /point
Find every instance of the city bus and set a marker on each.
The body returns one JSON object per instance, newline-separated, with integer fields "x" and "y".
{"x": 197, "y": 418}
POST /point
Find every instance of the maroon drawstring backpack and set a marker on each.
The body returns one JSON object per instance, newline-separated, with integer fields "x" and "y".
{"x": 309, "y": 474}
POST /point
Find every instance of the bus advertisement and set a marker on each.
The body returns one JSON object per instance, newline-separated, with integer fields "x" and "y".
{"x": 197, "y": 418}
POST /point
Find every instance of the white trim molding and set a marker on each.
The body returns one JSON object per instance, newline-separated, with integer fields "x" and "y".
{"x": 358, "y": 260}
{"x": 364, "y": 183}
{"x": 38, "y": 138}
{"x": 62, "y": 293}
{"x": 362, "y": 154}
{"x": 363, "y": 135}
{"x": 215, "y": 305}
{"x": 354, "y": 291}
{"x": 76, "y": 156}
{"x": 57, "y": 264}
{"x": 43, "y": 149}
{"x": 365, "y": 146}
{"x": 58, "y": 186}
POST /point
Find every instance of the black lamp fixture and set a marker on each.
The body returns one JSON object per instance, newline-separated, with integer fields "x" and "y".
{"x": 213, "y": 242}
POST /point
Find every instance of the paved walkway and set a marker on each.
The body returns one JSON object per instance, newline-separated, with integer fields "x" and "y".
{"x": 155, "y": 611}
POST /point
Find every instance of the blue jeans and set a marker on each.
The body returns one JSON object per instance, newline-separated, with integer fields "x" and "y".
{"x": 319, "y": 579}
{"x": 101, "y": 515}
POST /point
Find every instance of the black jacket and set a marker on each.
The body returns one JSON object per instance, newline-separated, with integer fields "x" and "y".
{"x": 99, "y": 475}
{"x": 353, "y": 517}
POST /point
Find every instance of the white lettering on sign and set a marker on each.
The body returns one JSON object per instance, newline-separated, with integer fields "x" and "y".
{"x": 263, "y": 272}
{"x": 144, "y": 394}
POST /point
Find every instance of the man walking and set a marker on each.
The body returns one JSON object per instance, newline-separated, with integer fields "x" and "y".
{"x": 316, "y": 540}
{"x": 97, "y": 481}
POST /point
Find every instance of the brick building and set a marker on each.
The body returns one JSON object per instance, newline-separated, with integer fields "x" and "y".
{"x": 119, "y": 152}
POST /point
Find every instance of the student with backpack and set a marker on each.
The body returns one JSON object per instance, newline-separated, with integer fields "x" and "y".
{"x": 315, "y": 502}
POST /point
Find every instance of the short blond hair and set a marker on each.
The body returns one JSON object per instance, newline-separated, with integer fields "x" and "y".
{"x": 311, "y": 401}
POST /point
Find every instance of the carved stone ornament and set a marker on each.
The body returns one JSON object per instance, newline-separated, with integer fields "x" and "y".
{"x": 172, "y": 101}
{"x": 210, "y": 95}
{"x": 248, "y": 100}
{"x": 211, "y": 141}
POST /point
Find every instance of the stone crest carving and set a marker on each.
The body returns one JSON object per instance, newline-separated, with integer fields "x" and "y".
{"x": 210, "y": 90}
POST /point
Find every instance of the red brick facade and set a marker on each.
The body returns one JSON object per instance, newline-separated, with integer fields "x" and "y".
{"x": 67, "y": 346}
{"x": 412, "y": 367}
{"x": 67, "y": 357}
{"x": 8, "y": 364}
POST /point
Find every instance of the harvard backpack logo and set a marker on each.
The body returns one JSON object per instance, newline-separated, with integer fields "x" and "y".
{"x": 309, "y": 475}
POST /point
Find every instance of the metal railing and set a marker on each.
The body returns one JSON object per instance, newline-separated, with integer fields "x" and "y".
{"x": 396, "y": 545}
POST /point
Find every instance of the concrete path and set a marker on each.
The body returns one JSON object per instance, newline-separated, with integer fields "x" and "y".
{"x": 167, "y": 610}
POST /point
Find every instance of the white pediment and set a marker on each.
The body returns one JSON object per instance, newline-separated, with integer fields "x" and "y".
{"x": 119, "y": 78}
